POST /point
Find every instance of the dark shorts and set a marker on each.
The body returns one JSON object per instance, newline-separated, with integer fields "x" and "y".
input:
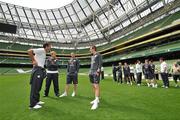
{"x": 176, "y": 77}
{"x": 150, "y": 76}
{"x": 94, "y": 78}
{"x": 72, "y": 78}
{"x": 127, "y": 75}
{"x": 146, "y": 76}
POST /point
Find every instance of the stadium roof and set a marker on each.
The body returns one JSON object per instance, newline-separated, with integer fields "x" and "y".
{"x": 47, "y": 4}
{"x": 82, "y": 21}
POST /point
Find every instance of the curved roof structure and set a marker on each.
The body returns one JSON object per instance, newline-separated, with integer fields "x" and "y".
{"x": 81, "y": 23}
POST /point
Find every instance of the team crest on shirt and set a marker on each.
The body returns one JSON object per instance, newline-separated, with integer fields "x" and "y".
{"x": 38, "y": 76}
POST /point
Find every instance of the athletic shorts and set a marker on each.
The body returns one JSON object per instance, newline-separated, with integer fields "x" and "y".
{"x": 176, "y": 77}
{"x": 146, "y": 76}
{"x": 72, "y": 78}
{"x": 127, "y": 75}
{"x": 150, "y": 76}
{"x": 94, "y": 78}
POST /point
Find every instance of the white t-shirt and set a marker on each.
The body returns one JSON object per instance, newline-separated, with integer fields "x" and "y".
{"x": 132, "y": 69}
{"x": 164, "y": 67}
{"x": 102, "y": 68}
{"x": 138, "y": 68}
{"x": 40, "y": 56}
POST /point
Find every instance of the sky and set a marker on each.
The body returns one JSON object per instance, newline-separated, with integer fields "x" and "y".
{"x": 40, "y": 4}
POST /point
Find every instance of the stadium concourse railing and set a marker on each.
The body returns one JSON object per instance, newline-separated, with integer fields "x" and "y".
{"x": 167, "y": 48}
{"x": 160, "y": 49}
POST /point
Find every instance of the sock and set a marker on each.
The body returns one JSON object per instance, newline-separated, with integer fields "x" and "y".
{"x": 96, "y": 98}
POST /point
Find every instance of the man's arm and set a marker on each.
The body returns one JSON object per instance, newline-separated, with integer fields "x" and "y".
{"x": 31, "y": 56}
{"x": 68, "y": 67}
{"x": 99, "y": 64}
{"x": 78, "y": 65}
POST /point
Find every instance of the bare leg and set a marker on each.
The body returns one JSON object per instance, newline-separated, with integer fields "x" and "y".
{"x": 75, "y": 88}
{"x": 67, "y": 88}
{"x": 97, "y": 90}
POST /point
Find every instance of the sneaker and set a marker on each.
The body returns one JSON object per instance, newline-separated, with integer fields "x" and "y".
{"x": 73, "y": 94}
{"x": 63, "y": 95}
{"x": 36, "y": 107}
{"x": 92, "y": 102}
{"x": 149, "y": 85}
{"x": 176, "y": 85}
{"x": 155, "y": 86}
{"x": 166, "y": 87}
{"x": 138, "y": 84}
{"x": 94, "y": 106}
{"x": 40, "y": 103}
{"x": 163, "y": 86}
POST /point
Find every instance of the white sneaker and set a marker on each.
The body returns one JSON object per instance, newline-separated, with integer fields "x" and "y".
{"x": 155, "y": 86}
{"x": 36, "y": 107}
{"x": 73, "y": 94}
{"x": 163, "y": 86}
{"x": 63, "y": 95}
{"x": 138, "y": 84}
{"x": 40, "y": 103}
{"x": 166, "y": 87}
{"x": 149, "y": 85}
{"x": 94, "y": 106}
{"x": 92, "y": 102}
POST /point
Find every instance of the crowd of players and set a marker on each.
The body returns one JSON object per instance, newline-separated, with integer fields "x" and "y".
{"x": 148, "y": 70}
{"x": 38, "y": 58}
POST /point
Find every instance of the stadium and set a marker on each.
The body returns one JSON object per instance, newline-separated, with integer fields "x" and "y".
{"x": 121, "y": 31}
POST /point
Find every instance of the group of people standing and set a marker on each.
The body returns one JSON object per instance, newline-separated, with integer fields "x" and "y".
{"x": 38, "y": 58}
{"x": 148, "y": 69}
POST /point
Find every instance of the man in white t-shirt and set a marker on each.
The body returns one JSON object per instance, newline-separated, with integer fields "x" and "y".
{"x": 38, "y": 57}
{"x": 164, "y": 72}
{"x": 139, "y": 72}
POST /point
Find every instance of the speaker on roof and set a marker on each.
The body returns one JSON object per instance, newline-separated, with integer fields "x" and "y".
{"x": 7, "y": 28}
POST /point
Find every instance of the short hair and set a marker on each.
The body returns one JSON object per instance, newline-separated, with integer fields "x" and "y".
{"x": 147, "y": 60}
{"x": 94, "y": 47}
{"x": 161, "y": 58}
{"x": 151, "y": 60}
{"x": 46, "y": 44}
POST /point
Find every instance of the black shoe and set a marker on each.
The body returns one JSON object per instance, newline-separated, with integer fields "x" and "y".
{"x": 57, "y": 95}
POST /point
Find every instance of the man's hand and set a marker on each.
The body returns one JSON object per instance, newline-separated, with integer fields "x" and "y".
{"x": 98, "y": 73}
{"x": 34, "y": 63}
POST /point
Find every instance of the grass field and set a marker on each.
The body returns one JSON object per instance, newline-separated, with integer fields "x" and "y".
{"x": 118, "y": 102}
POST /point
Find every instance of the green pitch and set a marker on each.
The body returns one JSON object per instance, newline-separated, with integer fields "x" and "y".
{"x": 118, "y": 102}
